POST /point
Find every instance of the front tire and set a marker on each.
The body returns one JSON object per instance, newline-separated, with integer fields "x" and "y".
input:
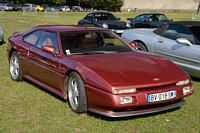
{"x": 1, "y": 43}
{"x": 15, "y": 68}
{"x": 76, "y": 93}
{"x": 141, "y": 47}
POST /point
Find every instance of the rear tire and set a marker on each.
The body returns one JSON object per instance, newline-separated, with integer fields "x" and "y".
{"x": 76, "y": 93}
{"x": 141, "y": 47}
{"x": 15, "y": 67}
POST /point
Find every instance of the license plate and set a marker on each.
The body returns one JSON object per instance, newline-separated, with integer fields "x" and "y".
{"x": 161, "y": 96}
{"x": 119, "y": 31}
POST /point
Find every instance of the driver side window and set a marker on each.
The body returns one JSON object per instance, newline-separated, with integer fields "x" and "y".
{"x": 49, "y": 39}
{"x": 144, "y": 18}
{"x": 177, "y": 31}
{"x": 89, "y": 17}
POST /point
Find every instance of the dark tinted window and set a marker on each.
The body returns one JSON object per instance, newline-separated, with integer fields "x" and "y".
{"x": 137, "y": 18}
{"x": 158, "y": 17}
{"x": 196, "y": 31}
{"x": 89, "y": 17}
{"x": 144, "y": 18}
{"x": 105, "y": 16}
{"x": 177, "y": 31}
{"x": 32, "y": 37}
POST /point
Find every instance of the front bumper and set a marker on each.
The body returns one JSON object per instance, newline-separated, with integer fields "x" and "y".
{"x": 136, "y": 113}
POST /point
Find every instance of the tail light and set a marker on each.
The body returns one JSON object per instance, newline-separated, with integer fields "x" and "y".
{"x": 134, "y": 45}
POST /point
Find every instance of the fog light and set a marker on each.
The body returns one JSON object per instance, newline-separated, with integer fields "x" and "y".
{"x": 126, "y": 99}
{"x": 186, "y": 90}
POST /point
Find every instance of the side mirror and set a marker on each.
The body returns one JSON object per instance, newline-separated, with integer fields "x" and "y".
{"x": 183, "y": 41}
{"x": 119, "y": 18}
{"x": 171, "y": 20}
{"x": 49, "y": 49}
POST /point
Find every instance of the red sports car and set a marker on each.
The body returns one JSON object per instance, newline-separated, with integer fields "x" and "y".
{"x": 95, "y": 70}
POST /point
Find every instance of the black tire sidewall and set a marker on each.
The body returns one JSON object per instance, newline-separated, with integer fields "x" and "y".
{"x": 141, "y": 47}
{"x": 82, "y": 103}
{"x": 19, "y": 78}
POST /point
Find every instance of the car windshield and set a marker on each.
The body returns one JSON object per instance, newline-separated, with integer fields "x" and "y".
{"x": 158, "y": 17}
{"x": 92, "y": 42}
{"x": 104, "y": 16}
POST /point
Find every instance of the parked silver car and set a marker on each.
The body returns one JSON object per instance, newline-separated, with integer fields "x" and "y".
{"x": 177, "y": 41}
{"x": 1, "y": 36}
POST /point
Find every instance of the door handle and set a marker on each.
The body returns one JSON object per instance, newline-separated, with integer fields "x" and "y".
{"x": 159, "y": 40}
{"x": 28, "y": 53}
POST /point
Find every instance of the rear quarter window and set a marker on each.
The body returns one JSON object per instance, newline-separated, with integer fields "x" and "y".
{"x": 32, "y": 37}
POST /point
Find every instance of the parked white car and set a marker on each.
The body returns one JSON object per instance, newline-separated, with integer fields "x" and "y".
{"x": 178, "y": 41}
{"x": 64, "y": 8}
{"x": 1, "y": 36}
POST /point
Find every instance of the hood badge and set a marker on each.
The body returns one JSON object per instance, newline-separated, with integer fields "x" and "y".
{"x": 156, "y": 79}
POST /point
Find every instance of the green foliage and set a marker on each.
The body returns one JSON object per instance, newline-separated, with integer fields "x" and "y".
{"x": 114, "y": 5}
{"x": 111, "y": 5}
{"x": 51, "y": 2}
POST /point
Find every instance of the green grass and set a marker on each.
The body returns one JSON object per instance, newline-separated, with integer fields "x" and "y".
{"x": 28, "y": 108}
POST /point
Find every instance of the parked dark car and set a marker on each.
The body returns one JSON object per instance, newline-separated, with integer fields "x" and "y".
{"x": 16, "y": 8}
{"x": 149, "y": 20}
{"x": 105, "y": 20}
{"x": 97, "y": 71}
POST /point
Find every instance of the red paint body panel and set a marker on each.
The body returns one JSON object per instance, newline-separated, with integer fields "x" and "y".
{"x": 101, "y": 73}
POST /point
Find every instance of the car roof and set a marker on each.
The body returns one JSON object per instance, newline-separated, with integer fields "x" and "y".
{"x": 63, "y": 28}
{"x": 187, "y": 23}
{"x": 100, "y": 12}
{"x": 151, "y": 13}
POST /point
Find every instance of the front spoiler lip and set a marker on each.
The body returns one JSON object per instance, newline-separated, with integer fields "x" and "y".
{"x": 126, "y": 114}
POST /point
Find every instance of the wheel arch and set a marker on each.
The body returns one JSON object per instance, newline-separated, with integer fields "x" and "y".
{"x": 66, "y": 81}
{"x": 11, "y": 51}
{"x": 139, "y": 41}
{"x": 82, "y": 106}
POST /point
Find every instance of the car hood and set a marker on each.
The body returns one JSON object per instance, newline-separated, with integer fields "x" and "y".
{"x": 116, "y": 23}
{"x": 133, "y": 68}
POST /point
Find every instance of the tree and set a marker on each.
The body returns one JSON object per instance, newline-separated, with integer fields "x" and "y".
{"x": 111, "y": 5}
{"x": 114, "y": 5}
{"x": 50, "y": 2}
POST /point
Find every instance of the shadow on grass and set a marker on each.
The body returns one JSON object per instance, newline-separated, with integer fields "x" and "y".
{"x": 195, "y": 79}
{"x": 45, "y": 90}
{"x": 2, "y": 43}
{"x": 98, "y": 116}
{"x": 130, "y": 117}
